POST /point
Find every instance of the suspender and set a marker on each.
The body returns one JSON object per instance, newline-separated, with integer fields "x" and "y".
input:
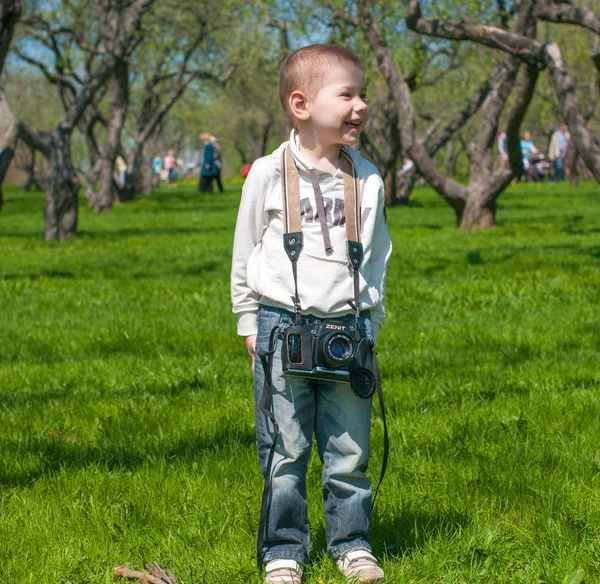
{"x": 292, "y": 222}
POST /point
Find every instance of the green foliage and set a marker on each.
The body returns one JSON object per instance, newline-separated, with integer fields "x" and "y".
{"x": 126, "y": 414}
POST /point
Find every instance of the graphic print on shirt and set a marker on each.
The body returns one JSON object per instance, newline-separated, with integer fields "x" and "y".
{"x": 334, "y": 212}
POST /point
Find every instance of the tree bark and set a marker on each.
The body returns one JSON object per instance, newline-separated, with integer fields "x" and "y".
{"x": 563, "y": 12}
{"x": 8, "y": 140}
{"x": 405, "y": 185}
{"x": 10, "y": 11}
{"x": 148, "y": 177}
{"x": 62, "y": 201}
{"x": 151, "y": 119}
{"x": 571, "y": 109}
{"x": 480, "y": 211}
{"x": 102, "y": 171}
{"x": 32, "y": 178}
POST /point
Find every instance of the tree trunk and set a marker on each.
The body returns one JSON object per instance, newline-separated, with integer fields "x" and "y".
{"x": 61, "y": 209}
{"x": 155, "y": 144}
{"x": 134, "y": 182}
{"x": 405, "y": 186}
{"x": 571, "y": 109}
{"x": 33, "y": 178}
{"x": 8, "y": 139}
{"x": 10, "y": 11}
{"x": 389, "y": 183}
{"x": 479, "y": 212}
{"x": 103, "y": 198}
{"x": 148, "y": 182}
{"x": 453, "y": 154}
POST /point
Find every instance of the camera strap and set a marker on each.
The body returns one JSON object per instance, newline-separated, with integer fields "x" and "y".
{"x": 266, "y": 407}
{"x": 292, "y": 221}
{"x": 386, "y": 438}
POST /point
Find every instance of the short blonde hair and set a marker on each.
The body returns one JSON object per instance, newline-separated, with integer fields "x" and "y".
{"x": 305, "y": 70}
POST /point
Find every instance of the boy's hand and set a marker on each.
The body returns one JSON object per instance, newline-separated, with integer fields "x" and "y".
{"x": 251, "y": 346}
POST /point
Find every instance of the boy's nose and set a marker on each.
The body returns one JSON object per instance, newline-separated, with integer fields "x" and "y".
{"x": 361, "y": 107}
{"x": 360, "y": 104}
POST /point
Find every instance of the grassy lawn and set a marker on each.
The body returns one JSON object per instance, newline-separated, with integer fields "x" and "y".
{"x": 126, "y": 414}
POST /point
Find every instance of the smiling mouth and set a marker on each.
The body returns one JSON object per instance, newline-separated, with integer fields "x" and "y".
{"x": 355, "y": 123}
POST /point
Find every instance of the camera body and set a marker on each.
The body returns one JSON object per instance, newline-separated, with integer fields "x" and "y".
{"x": 329, "y": 351}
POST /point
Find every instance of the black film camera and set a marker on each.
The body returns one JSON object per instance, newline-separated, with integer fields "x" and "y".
{"x": 328, "y": 351}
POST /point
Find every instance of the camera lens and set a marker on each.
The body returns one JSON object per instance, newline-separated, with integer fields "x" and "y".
{"x": 337, "y": 350}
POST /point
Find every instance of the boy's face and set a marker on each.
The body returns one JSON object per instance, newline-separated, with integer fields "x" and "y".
{"x": 338, "y": 112}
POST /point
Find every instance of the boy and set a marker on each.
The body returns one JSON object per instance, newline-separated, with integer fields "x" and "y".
{"x": 322, "y": 93}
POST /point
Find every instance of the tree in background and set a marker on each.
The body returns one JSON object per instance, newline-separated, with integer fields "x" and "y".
{"x": 474, "y": 204}
{"x": 536, "y": 54}
{"x": 249, "y": 115}
{"x": 10, "y": 10}
{"x": 435, "y": 95}
{"x": 114, "y": 38}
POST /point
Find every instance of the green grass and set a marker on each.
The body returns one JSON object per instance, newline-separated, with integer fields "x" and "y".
{"x": 126, "y": 415}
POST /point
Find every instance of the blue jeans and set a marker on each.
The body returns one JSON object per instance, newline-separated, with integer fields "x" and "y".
{"x": 559, "y": 169}
{"x": 341, "y": 422}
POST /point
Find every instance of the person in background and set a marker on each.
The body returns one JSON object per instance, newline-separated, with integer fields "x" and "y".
{"x": 171, "y": 165}
{"x": 156, "y": 166}
{"x": 557, "y": 150}
{"x": 502, "y": 147}
{"x": 245, "y": 170}
{"x": 407, "y": 165}
{"x": 122, "y": 170}
{"x": 527, "y": 149}
{"x": 209, "y": 168}
{"x": 218, "y": 162}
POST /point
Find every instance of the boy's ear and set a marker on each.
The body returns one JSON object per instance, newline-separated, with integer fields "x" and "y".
{"x": 298, "y": 105}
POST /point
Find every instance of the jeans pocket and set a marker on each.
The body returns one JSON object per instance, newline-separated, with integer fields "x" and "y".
{"x": 268, "y": 319}
{"x": 366, "y": 324}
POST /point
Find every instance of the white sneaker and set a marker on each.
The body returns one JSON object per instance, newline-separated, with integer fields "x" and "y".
{"x": 359, "y": 565}
{"x": 283, "y": 572}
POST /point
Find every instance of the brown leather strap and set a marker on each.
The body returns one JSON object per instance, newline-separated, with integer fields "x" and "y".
{"x": 351, "y": 197}
{"x": 290, "y": 192}
{"x": 292, "y": 223}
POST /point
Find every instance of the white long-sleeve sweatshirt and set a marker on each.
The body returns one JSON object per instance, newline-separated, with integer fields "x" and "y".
{"x": 261, "y": 271}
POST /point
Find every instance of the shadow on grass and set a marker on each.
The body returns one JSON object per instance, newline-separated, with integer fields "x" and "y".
{"x": 595, "y": 252}
{"x": 401, "y": 534}
{"x": 494, "y": 256}
{"x": 395, "y": 536}
{"x": 119, "y": 272}
{"x": 51, "y": 274}
{"x": 124, "y": 232}
{"x": 151, "y": 231}
{"x": 57, "y": 451}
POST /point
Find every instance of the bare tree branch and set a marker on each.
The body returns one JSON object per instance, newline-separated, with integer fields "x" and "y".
{"x": 449, "y": 189}
{"x": 525, "y": 48}
{"x": 562, "y": 12}
{"x": 35, "y": 138}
